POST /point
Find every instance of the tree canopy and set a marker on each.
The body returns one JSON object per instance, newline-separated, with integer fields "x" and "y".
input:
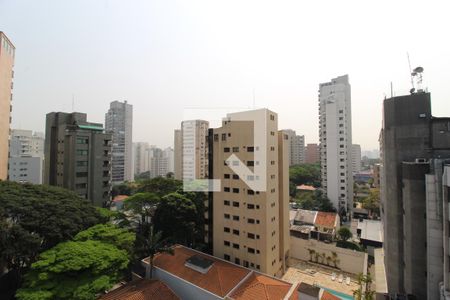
{"x": 160, "y": 186}
{"x": 305, "y": 174}
{"x": 35, "y": 218}
{"x": 74, "y": 270}
{"x": 314, "y": 201}
{"x": 344, "y": 233}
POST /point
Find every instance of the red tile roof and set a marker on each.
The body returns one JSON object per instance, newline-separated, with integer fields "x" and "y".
{"x": 120, "y": 198}
{"x": 305, "y": 187}
{"x": 258, "y": 286}
{"x": 327, "y": 296}
{"x": 220, "y": 279}
{"x": 141, "y": 289}
{"x": 326, "y": 219}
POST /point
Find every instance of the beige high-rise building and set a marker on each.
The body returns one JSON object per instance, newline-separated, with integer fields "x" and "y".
{"x": 250, "y": 227}
{"x": 191, "y": 150}
{"x": 7, "y": 50}
{"x": 178, "y": 149}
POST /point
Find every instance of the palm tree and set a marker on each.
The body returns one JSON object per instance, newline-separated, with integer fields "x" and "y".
{"x": 324, "y": 257}
{"x": 154, "y": 244}
{"x": 364, "y": 292}
{"x": 334, "y": 258}
{"x": 328, "y": 260}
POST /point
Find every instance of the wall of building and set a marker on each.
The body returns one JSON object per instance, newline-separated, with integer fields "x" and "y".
{"x": 178, "y": 153}
{"x": 350, "y": 261}
{"x": 26, "y": 169}
{"x": 7, "y": 50}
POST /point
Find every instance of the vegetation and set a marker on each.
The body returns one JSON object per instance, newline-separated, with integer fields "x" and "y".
{"x": 349, "y": 245}
{"x": 344, "y": 233}
{"x": 314, "y": 201}
{"x": 74, "y": 270}
{"x": 122, "y": 189}
{"x": 364, "y": 291}
{"x": 308, "y": 174}
{"x": 160, "y": 186}
{"x": 324, "y": 259}
{"x": 154, "y": 243}
{"x": 35, "y": 218}
{"x": 372, "y": 202}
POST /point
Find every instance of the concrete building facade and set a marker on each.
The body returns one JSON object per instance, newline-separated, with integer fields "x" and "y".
{"x": 296, "y": 151}
{"x": 78, "y": 156}
{"x": 140, "y": 157}
{"x": 191, "y": 150}
{"x": 26, "y": 156}
{"x": 250, "y": 227}
{"x": 356, "y": 158}
{"x": 335, "y": 133}
{"x": 119, "y": 122}
{"x": 7, "y": 52}
{"x": 312, "y": 154}
{"x": 411, "y": 139}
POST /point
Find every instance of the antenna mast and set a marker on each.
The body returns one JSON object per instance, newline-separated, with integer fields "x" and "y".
{"x": 412, "y": 90}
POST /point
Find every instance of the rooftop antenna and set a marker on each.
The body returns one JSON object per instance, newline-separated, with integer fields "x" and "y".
{"x": 417, "y": 73}
{"x": 412, "y": 90}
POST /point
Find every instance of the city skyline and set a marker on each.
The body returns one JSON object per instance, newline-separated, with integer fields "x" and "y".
{"x": 166, "y": 57}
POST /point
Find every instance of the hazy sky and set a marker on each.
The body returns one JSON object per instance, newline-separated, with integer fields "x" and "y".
{"x": 166, "y": 56}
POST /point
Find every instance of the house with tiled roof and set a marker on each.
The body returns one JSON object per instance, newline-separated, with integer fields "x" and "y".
{"x": 327, "y": 222}
{"x": 141, "y": 289}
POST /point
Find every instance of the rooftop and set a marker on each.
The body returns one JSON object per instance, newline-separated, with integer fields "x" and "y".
{"x": 219, "y": 279}
{"x": 258, "y": 286}
{"x": 305, "y": 216}
{"x": 119, "y": 198}
{"x": 371, "y": 230}
{"x": 326, "y": 219}
{"x": 141, "y": 289}
{"x": 305, "y": 187}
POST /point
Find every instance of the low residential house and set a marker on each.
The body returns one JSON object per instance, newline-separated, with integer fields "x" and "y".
{"x": 117, "y": 202}
{"x": 318, "y": 225}
{"x": 193, "y": 275}
{"x": 141, "y": 289}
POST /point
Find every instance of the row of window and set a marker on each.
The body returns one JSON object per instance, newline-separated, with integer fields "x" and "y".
{"x": 236, "y": 204}
{"x": 238, "y": 262}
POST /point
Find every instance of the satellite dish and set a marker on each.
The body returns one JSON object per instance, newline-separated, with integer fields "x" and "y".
{"x": 412, "y": 90}
{"x": 413, "y": 73}
{"x": 418, "y": 70}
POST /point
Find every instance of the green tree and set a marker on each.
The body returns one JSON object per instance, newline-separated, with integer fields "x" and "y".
{"x": 35, "y": 218}
{"x": 292, "y": 189}
{"x": 176, "y": 216}
{"x": 372, "y": 202}
{"x": 122, "y": 238}
{"x": 344, "y": 233}
{"x": 122, "y": 189}
{"x": 305, "y": 174}
{"x": 160, "y": 186}
{"x": 74, "y": 270}
{"x": 142, "y": 206}
{"x": 154, "y": 243}
{"x": 364, "y": 291}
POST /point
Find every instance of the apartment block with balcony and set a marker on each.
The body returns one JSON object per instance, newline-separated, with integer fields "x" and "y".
{"x": 78, "y": 156}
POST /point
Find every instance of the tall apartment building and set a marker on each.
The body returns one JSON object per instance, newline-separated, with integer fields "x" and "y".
{"x": 7, "y": 50}
{"x": 119, "y": 122}
{"x": 78, "y": 156}
{"x": 140, "y": 157}
{"x": 356, "y": 158}
{"x": 250, "y": 227}
{"x": 296, "y": 148}
{"x": 26, "y": 156}
{"x": 169, "y": 154}
{"x": 178, "y": 154}
{"x": 160, "y": 161}
{"x": 312, "y": 154}
{"x": 335, "y": 132}
{"x": 411, "y": 141}
{"x": 191, "y": 150}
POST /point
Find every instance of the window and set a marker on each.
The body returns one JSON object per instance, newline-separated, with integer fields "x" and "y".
{"x": 235, "y": 232}
{"x": 81, "y": 185}
{"x": 226, "y": 149}
{"x": 226, "y": 243}
{"x": 341, "y": 111}
{"x": 82, "y": 140}
{"x": 251, "y": 250}
{"x": 251, "y": 221}
{"x": 245, "y": 263}
{"x": 236, "y": 246}
{"x": 235, "y": 204}
{"x": 250, "y": 149}
{"x": 235, "y": 149}
{"x": 226, "y": 229}
{"x": 226, "y": 216}
{"x": 226, "y": 257}
{"x": 229, "y": 134}
{"x": 272, "y": 162}
{"x": 82, "y": 152}
{"x": 82, "y": 163}
{"x": 250, "y": 192}
{"x": 82, "y": 174}
{"x": 250, "y": 163}
{"x": 236, "y": 190}
{"x": 237, "y": 261}
{"x": 216, "y": 137}
{"x": 250, "y": 177}
{"x": 272, "y": 117}
{"x": 250, "y": 206}
{"x": 251, "y": 235}
{"x": 226, "y": 176}
{"x": 341, "y": 118}
{"x": 224, "y": 136}
{"x": 226, "y": 202}
{"x": 272, "y": 133}
{"x": 235, "y": 176}
{"x": 226, "y": 189}
{"x": 235, "y": 218}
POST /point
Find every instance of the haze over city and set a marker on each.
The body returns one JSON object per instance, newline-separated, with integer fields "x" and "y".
{"x": 165, "y": 56}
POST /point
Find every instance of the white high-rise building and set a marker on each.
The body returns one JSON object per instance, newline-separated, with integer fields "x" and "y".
{"x": 296, "y": 147}
{"x": 119, "y": 122}
{"x": 356, "y": 158}
{"x": 168, "y": 153}
{"x": 194, "y": 149}
{"x": 140, "y": 157}
{"x": 335, "y": 132}
{"x": 26, "y": 161}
